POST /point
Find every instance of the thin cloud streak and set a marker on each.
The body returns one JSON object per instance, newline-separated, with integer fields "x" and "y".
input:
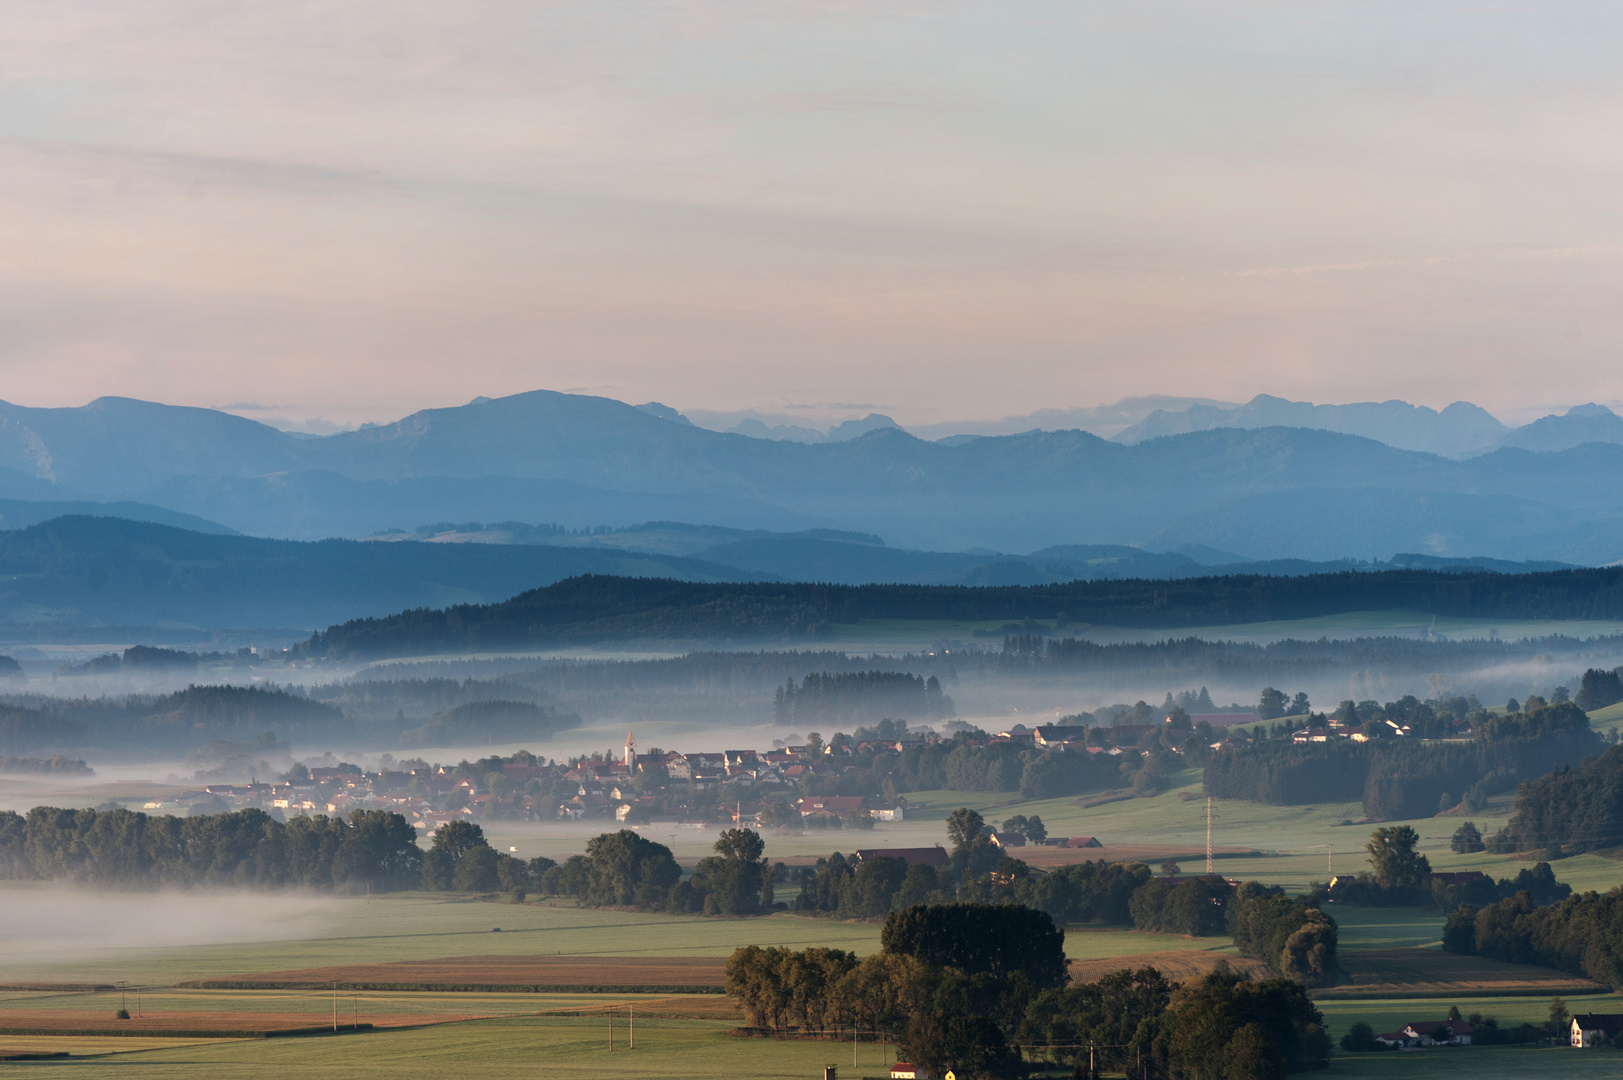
{"x": 956, "y": 209}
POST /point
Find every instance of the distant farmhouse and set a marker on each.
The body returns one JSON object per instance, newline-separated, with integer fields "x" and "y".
{"x": 1429, "y": 1033}
{"x": 920, "y": 856}
{"x": 1595, "y": 1029}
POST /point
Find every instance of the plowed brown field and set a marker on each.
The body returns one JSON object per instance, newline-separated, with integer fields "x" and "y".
{"x": 1176, "y": 965}
{"x": 1425, "y": 972}
{"x": 510, "y": 973}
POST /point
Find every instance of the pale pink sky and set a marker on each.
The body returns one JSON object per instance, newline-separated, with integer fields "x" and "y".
{"x": 939, "y": 211}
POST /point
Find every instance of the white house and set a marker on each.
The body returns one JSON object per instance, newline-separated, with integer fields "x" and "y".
{"x": 1595, "y": 1029}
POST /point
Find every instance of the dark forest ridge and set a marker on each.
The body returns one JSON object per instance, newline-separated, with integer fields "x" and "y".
{"x": 602, "y": 609}
{"x": 1268, "y": 492}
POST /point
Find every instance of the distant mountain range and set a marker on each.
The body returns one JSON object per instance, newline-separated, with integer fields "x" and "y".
{"x": 1269, "y": 492}
{"x": 86, "y": 571}
{"x": 1456, "y": 431}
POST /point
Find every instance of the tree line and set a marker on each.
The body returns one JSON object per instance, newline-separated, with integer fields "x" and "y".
{"x": 1403, "y": 777}
{"x": 860, "y": 697}
{"x": 966, "y": 986}
{"x": 371, "y": 849}
{"x": 1568, "y": 810}
{"x": 1293, "y": 937}
{"x": 600, "y": 608}
{"x": 1582, "y": 934}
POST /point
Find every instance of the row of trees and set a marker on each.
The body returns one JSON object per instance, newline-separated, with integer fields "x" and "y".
{"x": 962, "y": 986}
{"x": 623, "y": 869}
{"x": 372, "y": 849}
{"x": 1293, "y": 937}
{"x": 1568, "y": 810}
{"x": 1582, "y": 934}
{"x": 859, "y": 697}
{"x": 1404, "y": 778}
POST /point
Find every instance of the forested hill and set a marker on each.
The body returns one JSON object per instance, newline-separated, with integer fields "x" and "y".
{"x": 599, "y": 608}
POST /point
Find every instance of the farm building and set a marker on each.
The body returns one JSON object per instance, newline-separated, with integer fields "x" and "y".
{"x": 1007, "y": 839}
{"x": 1430, "y": 1033}
{"x": 924, "y": 856}
{"x": 1595, "y": 1029}
{"x": 1083, "y": 841}
{"x": 829, "y": 806}
{"x": 1048, "y": 735}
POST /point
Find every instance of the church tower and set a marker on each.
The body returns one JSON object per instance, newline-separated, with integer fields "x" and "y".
{"x": 631, "y": 751}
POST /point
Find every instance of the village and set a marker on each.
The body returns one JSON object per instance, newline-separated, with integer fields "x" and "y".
{"x": 661, "y": 788}
{"x": 672, "y": 787}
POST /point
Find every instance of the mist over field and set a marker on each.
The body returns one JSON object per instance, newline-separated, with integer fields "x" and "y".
{"x": 48, "y": 925}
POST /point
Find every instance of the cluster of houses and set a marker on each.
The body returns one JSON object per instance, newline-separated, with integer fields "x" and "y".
{"x": 1586, "y": 1030}
{"x": 1428, "y": 1033}
{"x": 592, "y": 789}
{"x": 595, "y": 789}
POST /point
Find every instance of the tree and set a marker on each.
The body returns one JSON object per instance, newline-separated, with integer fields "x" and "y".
{"x": 1272, "y": 704}
{"x": 1035, "y": 830}
{"x": 1361, "y": 1037}
{"x": 964, "y": 828}
{"x": 476, "y": 870}
{"x": 1599, "y": 689}
{"x": 1559, "y": 1021}
{"x": 1397, "y": 864}
{"x": 778, "y": 814}
{"x": 452, "y": 843}
{"x": 734, "y": 882}
{"x": 997, "y": 939}
{"x": 1300, "y": 705}
{"x": 624, "y": 868}
{"x": 1467, "y": 839}
{"x": 1171, "y": 868}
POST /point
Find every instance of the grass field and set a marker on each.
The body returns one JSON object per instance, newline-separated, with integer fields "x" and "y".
{"x": 1405, "y": 973}
{"x": 577, "y": 1048}
{"x": 105, "y": 938}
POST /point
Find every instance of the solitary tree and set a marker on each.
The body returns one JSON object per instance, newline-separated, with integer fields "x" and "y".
{"x": 964, "y": 828}
{"x": 1272, "y": 704}
{"x": 1392, "y": 853}
{"x": 1467, "y": 839}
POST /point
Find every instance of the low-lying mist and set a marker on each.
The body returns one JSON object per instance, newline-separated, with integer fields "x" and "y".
{"x": 47, "y": 926}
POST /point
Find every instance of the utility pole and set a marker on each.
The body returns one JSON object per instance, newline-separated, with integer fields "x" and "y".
{"x": 1329, "y": 861}
{"x": 633, "y": 1024}
{"x": 611, "y": 1031}
{"x": 335, "y": 1006}
{"x": 355, "y": 1003}
{"x": 1208, "y": 836}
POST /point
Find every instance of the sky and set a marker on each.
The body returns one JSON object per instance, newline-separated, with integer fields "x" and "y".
{"x": 328, "y": 212}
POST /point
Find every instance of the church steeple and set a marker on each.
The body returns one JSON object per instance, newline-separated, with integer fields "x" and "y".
{"x": 631, "y": 751}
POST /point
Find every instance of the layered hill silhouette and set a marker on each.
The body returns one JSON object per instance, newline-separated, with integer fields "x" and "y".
{"x": 88, "y": 571}
{"x": 80, "y": 571}
{"x": 1269, "y": 492}
{"x": 595, "y": 610}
